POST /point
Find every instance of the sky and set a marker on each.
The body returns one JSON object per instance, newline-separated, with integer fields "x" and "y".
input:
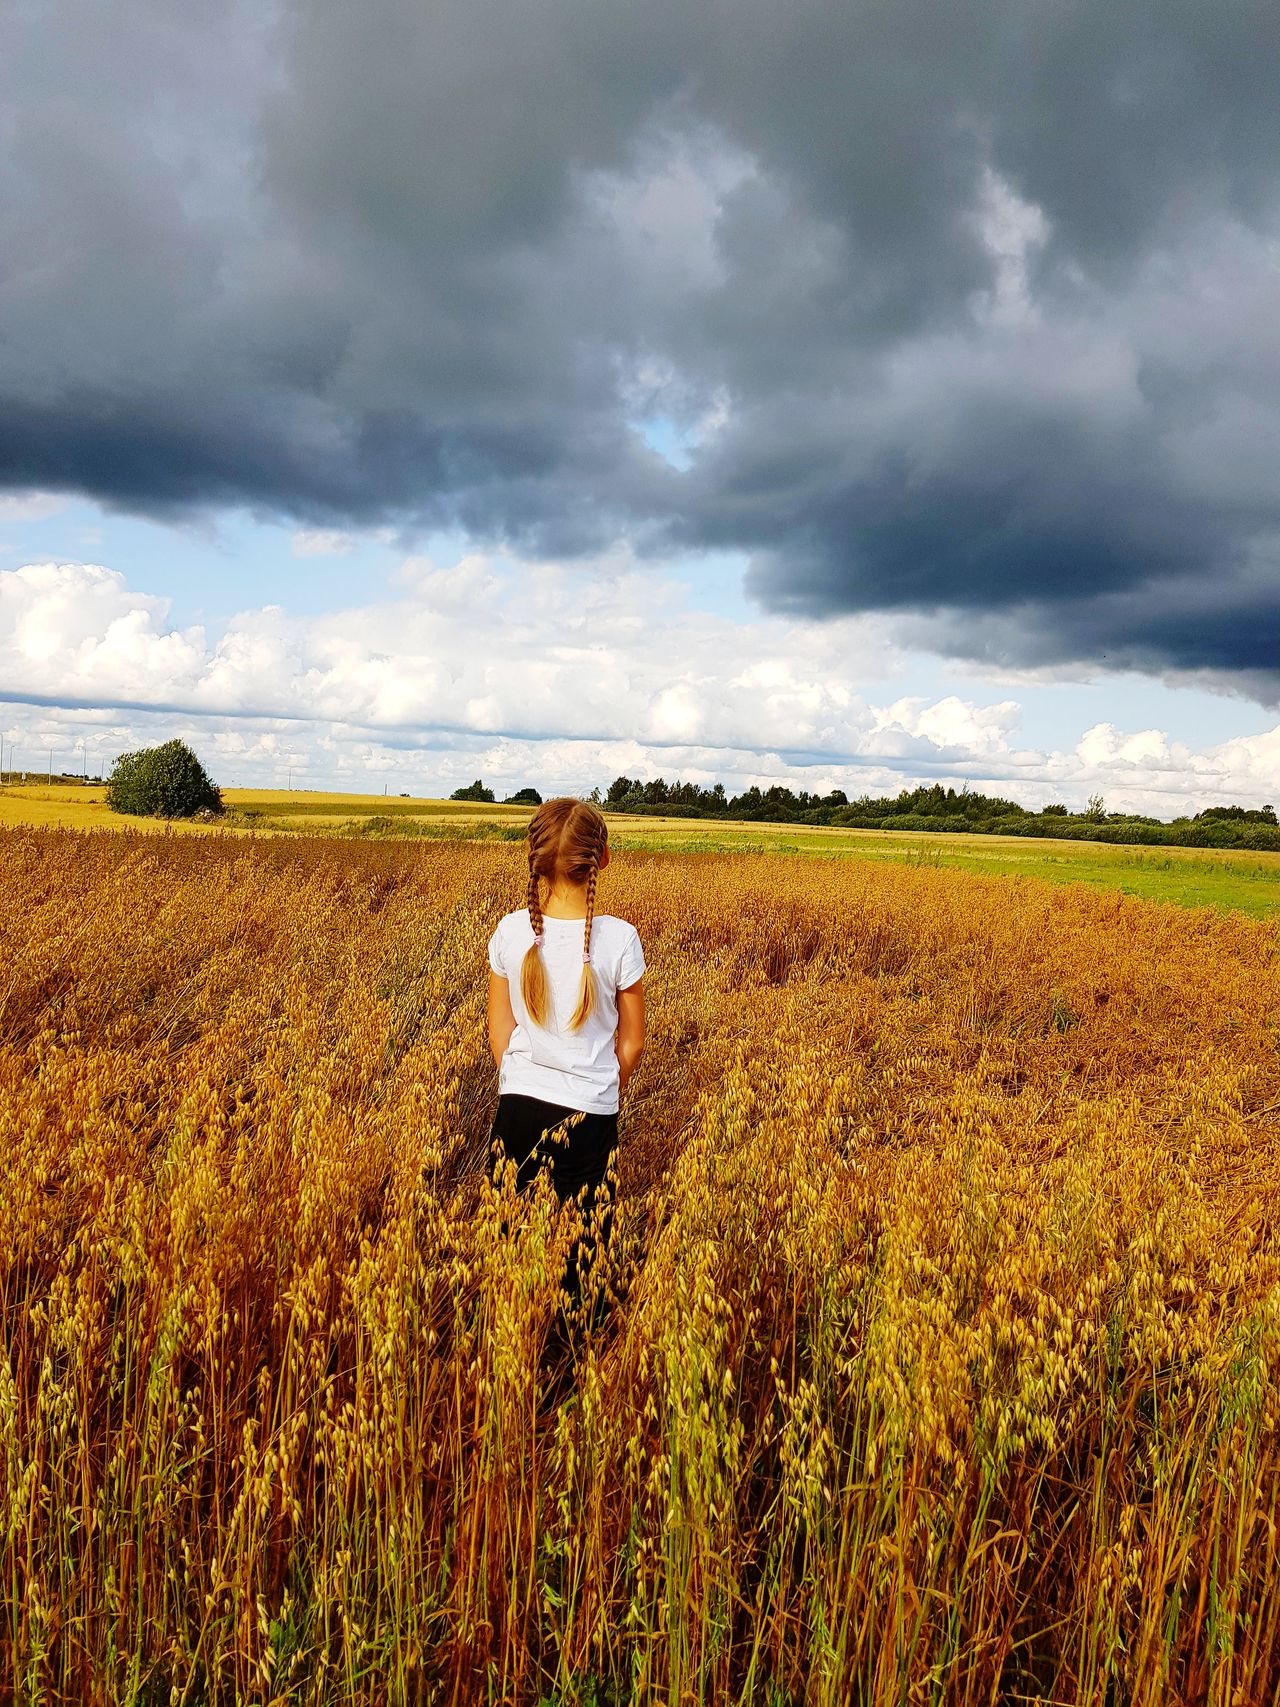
{"x": 838, "y": 395}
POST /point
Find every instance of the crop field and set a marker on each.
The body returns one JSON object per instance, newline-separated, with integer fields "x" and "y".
{"x": 932, "y": 1355}
{"x": 1227, "y": 879}
{"x": 84, "y": 807}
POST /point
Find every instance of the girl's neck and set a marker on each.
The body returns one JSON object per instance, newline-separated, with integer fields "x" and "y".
{"x": 566, "y": 901}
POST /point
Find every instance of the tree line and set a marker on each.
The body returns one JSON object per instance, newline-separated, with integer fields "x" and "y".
{"x": 170, "y": 781}
{"x": 935, "y": 808}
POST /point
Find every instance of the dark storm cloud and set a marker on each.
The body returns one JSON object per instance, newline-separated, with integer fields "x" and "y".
{"x": 974, "y": 307}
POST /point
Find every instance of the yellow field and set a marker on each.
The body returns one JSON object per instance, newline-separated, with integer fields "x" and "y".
{"x": 941, "y": 1361}
{"x": 80, "y": 807}
{"x": 1226, "y": 879}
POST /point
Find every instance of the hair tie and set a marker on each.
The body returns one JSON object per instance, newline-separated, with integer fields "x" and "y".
{"x": 586, "y": 956}
{"x": 537, "y": 940}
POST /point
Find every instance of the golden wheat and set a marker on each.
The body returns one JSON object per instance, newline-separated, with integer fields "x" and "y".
{"x": 939, "y": 1361}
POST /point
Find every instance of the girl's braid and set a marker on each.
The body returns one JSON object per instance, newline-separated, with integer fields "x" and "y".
{"x": 535, "y": 903}
{"x": 533, "y": 976}
{"x": 591, "y": 907}
{"x": 586, "y": 992}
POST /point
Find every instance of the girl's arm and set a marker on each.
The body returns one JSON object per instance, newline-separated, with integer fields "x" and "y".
{"x": 630, "y": 1031}
{"x": 502, "y": 1022}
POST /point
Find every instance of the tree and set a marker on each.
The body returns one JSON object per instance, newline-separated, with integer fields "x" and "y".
{"x": 1096, "y": 810}
{"x": 475, "y": 791}
{"x": 522, "y": 797}
{"x": 1242, "y": 814}
{"x": 163, "y": 782}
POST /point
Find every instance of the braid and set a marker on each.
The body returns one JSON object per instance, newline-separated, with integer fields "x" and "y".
{"x": 591, "y": 913}
{"x": 586, "y": 997}
{"x": 533, "y": 974}
{"x": 535, "y": 903}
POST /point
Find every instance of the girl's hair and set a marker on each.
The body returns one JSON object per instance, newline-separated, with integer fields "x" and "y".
{"x": 567, "y": 840}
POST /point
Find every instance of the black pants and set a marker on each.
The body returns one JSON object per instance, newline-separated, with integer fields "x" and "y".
{"x": 575, "y": 1158}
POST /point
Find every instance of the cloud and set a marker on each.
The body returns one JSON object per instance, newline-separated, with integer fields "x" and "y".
{"x": 964, "y": 316}
{"x": 520, "y": 671}
{"x": 320, "y": 542}
{"x": 30, "y": 506}
{"x": 485, "y": 645}
{"x": 1147, "y": 766}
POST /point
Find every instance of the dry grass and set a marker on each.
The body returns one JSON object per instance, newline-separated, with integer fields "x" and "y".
{"x": 942, "y": 1359}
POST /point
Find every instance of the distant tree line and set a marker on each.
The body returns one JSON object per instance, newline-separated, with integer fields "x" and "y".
{"x": 931, "y": 808}
{"x": 477, "y": 791}
{"x": 935, "y": 808}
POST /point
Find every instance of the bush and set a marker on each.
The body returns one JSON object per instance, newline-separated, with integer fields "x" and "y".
{"x": 163, "y": 782}
{"x": 524, "y": 797}
{"x": 474, "y": 791}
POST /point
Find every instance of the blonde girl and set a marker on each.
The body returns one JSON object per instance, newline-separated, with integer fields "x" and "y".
{"x": 566, "y": 1005}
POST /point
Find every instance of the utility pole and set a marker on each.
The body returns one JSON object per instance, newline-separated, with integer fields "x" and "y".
{"x": 50, "y": 767}
{"x": 84, "y": 757}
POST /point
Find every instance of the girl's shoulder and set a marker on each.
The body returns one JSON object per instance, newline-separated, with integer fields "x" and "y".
{"x": 619, "y": 941}
{"x": 616, "y": 926}
{"x": 510, "y": 922}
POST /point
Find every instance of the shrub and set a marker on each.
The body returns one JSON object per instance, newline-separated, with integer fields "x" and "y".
{"x": 474, "y": 791}
{"x": 163, "y": 782}
{"x": 524, "y": 797}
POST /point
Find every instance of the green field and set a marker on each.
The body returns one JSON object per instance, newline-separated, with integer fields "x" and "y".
{"x": 1226, "y": 879}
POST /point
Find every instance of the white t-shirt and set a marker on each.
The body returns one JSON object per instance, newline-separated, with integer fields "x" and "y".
{"x": 575, "y": 1069}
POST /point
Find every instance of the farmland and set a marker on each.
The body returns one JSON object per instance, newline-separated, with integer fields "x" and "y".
{"x": 1225, "y": 879}
{"x": 935, "y": 1355}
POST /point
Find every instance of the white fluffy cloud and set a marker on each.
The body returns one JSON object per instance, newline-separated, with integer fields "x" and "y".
{"x": 1147, "y": 765}
{"x": 524, "y": 671}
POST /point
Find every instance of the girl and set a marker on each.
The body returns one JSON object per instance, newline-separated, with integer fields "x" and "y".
{"x": 566, "y": 1006}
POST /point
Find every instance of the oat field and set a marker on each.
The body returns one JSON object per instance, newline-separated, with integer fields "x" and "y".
{"x": 932, "y": 1359}
{"x": 1231, "y": 879}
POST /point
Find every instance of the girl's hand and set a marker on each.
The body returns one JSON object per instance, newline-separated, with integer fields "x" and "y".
{"x": 502, "y": 1022}
{"x": 630, "y": 1041}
